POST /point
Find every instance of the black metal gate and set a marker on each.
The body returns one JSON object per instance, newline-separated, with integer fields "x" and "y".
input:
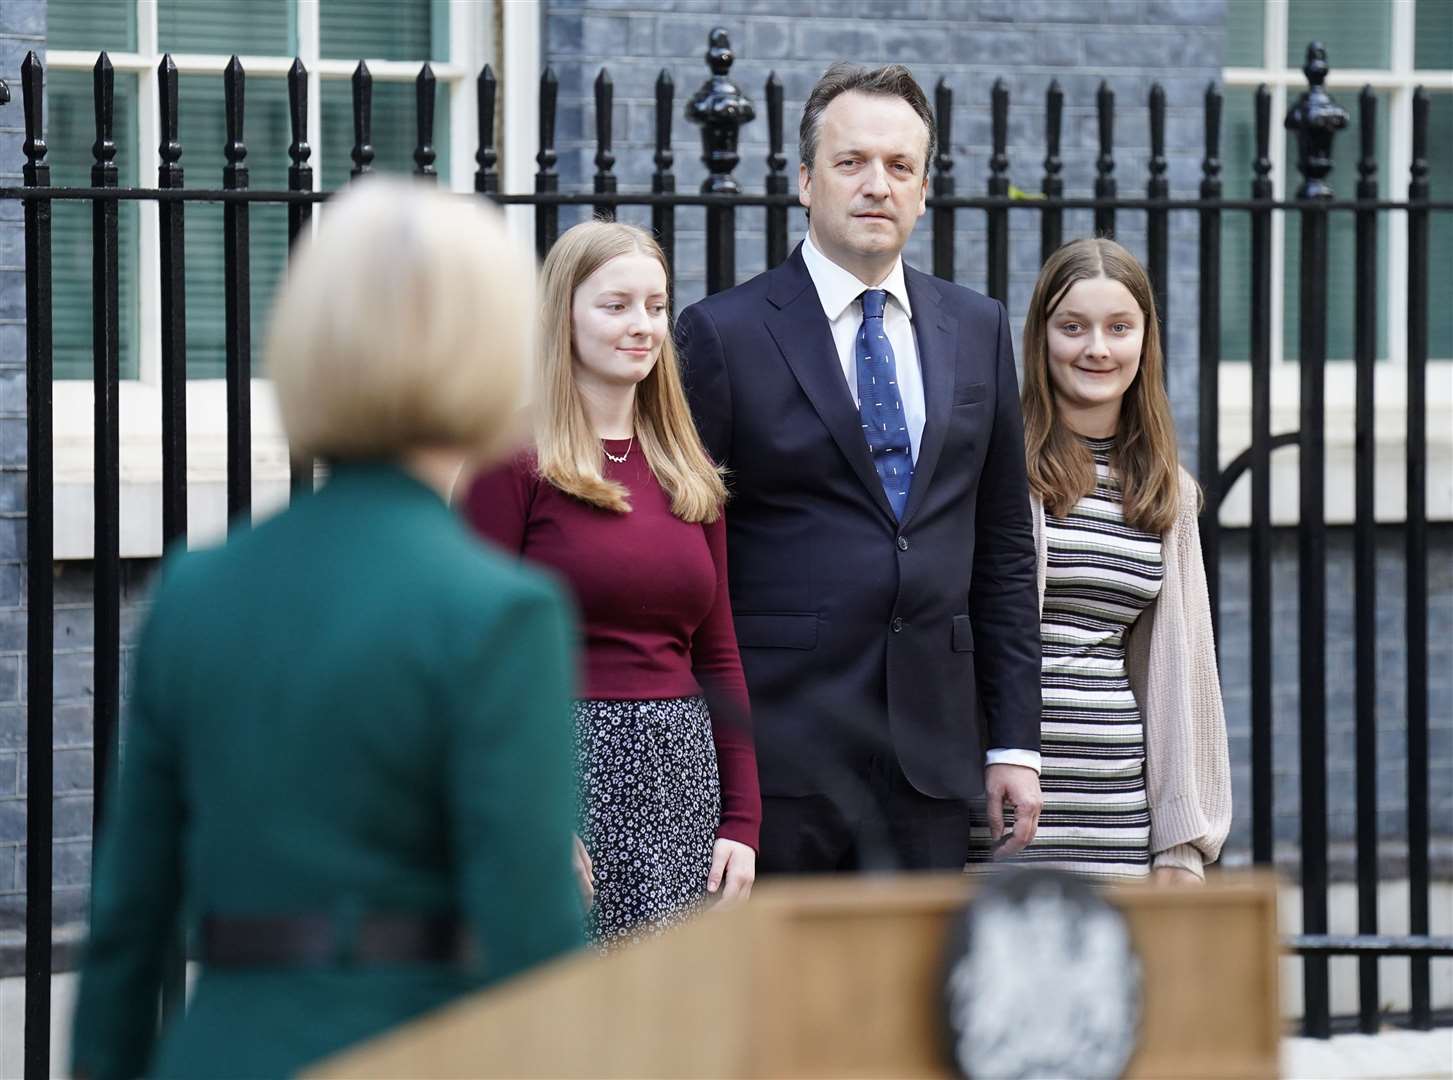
{"x": 721, "y": 109}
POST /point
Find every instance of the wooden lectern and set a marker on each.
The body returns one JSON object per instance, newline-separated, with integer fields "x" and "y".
{"x": 839, "y": 977}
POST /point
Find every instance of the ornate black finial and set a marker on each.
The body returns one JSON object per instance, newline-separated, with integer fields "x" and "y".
{"x": 665, "y": 92}
{"x": 1157, "y": 139}
{"x": 486, "y": 180}
{"x": 32, "y": 93}
{"x": 943, "y": 122}
{"x": 169, "y": 173}
{"x": 1367, "y": 127}
{"x": 362, "y": 120}
{"x": 1054, "y": 103}
{"x": 605, "y": 158}
{"x": 1418, "y": 169}
{"x": 424, "y": 154}
{"x": 234, "y": 86}
{"x": 722, "y": 110}
{"x": 1316, "y": 119}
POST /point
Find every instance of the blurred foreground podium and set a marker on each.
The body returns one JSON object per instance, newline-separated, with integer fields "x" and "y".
{"x": 842, "y": 977}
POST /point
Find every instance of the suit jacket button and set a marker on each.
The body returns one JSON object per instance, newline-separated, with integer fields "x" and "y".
{"x": 897, "y": 624}
{"x": 903, "y": 543}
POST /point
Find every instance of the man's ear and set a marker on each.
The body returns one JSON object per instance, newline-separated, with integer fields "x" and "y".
{"x": 923, "y": 195}
{"x": 804, "y": 186}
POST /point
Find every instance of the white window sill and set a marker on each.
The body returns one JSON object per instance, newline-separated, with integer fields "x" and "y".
{"x": 141, "y": 495}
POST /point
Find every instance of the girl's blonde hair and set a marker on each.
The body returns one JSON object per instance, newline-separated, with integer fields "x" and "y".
{"x": 568, "y": 451}
{"x": 1145, "y": 458}
{"x": 397, "y": 327}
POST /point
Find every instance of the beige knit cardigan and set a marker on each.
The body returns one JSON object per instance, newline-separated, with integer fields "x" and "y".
{"x": 1171, "y": 656}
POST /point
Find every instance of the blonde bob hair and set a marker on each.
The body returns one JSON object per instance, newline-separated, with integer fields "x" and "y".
{"x": 398, "y": 327}
{"x": 1145, "y": 458}
{"x": 568, "y": 451}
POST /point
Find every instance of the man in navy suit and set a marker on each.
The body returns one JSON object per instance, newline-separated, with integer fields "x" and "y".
{"x": 879, "y": 542}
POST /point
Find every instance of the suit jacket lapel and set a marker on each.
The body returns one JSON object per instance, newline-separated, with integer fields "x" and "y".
{"x": 801, "y": 331}
{"x": 937, "y": 334}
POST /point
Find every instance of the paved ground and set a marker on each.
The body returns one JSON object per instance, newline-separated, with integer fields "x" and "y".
{"x": 1406, "y": 1055}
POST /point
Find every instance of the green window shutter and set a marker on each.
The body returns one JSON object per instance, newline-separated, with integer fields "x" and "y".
{"x": 70, "y": 132}
{"x": 383, "y": 30}
{"x": 1357, "y": 33}
{"x": 1341, "y": 241}
{"x": 1245, "y": 33}
{"x": 1433, "y": 35}
{"x": 91, "y": 24}
{"x": 258, "y": 27}
{"x": 1238, "y": 150}
{"x": 203, "y": 133}
{"x": 395, "y": 130}
{"x": 1440, "y": 226}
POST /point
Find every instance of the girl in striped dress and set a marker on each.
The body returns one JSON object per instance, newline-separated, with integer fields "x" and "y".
{"x": 1134, "y": 761}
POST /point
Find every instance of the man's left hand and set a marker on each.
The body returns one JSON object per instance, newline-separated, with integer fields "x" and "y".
{"x": 1016, "y": 786}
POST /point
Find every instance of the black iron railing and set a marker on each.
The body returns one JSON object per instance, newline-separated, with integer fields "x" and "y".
{"x": 721, "y": 109}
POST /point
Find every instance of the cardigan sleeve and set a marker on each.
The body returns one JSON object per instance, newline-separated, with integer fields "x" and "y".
{"x": 1171, "y": 654}
{"x": 1210, "y": 752}
{"x": 717, "y": 664}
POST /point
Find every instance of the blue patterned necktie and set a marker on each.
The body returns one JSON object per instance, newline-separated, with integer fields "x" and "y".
{"x": 880, "y": 405}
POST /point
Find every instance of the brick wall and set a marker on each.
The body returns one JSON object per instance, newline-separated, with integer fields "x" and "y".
{"x": 22, "y": 28}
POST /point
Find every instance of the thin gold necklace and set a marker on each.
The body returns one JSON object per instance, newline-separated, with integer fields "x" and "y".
{"x": 621, "y": 460}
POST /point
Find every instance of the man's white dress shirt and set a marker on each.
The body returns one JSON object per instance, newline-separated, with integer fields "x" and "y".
{"x": 840, "y": 293}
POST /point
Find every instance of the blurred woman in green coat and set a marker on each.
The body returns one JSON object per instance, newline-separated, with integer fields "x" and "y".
{"x": 347, "y": 761}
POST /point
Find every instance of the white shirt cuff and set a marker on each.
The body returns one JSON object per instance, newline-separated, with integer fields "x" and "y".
{"x": 1028, "y": 758}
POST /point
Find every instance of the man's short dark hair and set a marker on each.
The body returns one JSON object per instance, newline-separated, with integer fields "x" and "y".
{"x": 894, "y": 80}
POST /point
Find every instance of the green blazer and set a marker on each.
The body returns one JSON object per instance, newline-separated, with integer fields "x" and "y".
{"x": 353, "y": 708}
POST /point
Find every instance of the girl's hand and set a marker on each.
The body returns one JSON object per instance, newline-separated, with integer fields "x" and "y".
{"x": 584, "y": 871}
{"x": 1173, "y": 875}
{"x": 733, "y": 869}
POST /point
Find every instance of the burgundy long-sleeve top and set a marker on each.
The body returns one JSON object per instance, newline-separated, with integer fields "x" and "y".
{"x": 652, "y": 594}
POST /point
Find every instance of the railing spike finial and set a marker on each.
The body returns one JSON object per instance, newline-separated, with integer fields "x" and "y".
{"x": 167, "y": 105}
{"x": 298, "y": 150}
{"x": 234, "y": 85}
{"x": 32, "y": 93}
{"x": 486, "y": 180}
{"x": 103, "y": 150}
{"x": 1316, "y": 119}
{"x": 362, "y": 153}
{"x": 424, "y": 153}
{"x": 1105, "y": 186}
{"x": 605, "y": 159}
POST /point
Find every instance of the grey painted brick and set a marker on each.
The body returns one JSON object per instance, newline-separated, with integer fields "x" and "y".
{"x": 71, "y": 817}
{"x": 25, "y": 17}
{"x": 685, "y": 35}
{"x": 9, "y": 883}
{"x": 73, "y": 770}
{"x": 642, "y": 35}
{"x": 10, "y": 678}
{"x": 12, "y": 584}
{"x": 71, "y": 863}
{"x": 9, "y": 775}
{"x": 12, "y": 540}
{"x": 12, "y": 820}
{"x": 829, "y": 41}
{"x": 769, "y": 39}
{"x": 12, "y": 343}
{"x": 12, "y": 727}
{"x": 12, "y": 393}
{"x": 564, "y": 34}
{"x": 74, "y": 675}
{"x": 13, "y": 448}
{"x": 71, "y": 725}
{"x": 12, "y": 293}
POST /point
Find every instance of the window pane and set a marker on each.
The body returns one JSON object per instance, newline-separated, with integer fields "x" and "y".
{"x": 1238, "y": 150}
{"x": 383, "y": 29}
{"x": 91, "y": 24}
{"x": 70, "y": 131}
{"x": 1433, "y": 35}
{"x": 203, "y": 133}
{"x": 1440, "y": 239}
{"x": 394, "y": 130}
{"x": 215, "y": 26}
{"x": 1341, "y": 242}
{"x": 1245, "y": 33}
{"x": 1357, "y": 33}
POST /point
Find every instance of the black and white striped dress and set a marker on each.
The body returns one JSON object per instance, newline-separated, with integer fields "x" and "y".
{"x": 1100, "y": 575}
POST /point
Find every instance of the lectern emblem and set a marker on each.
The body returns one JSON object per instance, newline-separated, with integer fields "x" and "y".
{"x": 1042, "y": 980}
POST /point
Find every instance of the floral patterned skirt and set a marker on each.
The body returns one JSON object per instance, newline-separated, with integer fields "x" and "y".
{"x": 650, "y": 807}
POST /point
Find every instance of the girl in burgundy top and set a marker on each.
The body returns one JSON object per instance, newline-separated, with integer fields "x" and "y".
{"x": 619, "y": 497}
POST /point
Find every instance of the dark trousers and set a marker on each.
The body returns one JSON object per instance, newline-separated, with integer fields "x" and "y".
{"x": 878, "y": 821}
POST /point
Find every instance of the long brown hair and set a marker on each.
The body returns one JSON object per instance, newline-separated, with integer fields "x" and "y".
{"x": 1145, "y": 459}
{"x": 568, "y": 451}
